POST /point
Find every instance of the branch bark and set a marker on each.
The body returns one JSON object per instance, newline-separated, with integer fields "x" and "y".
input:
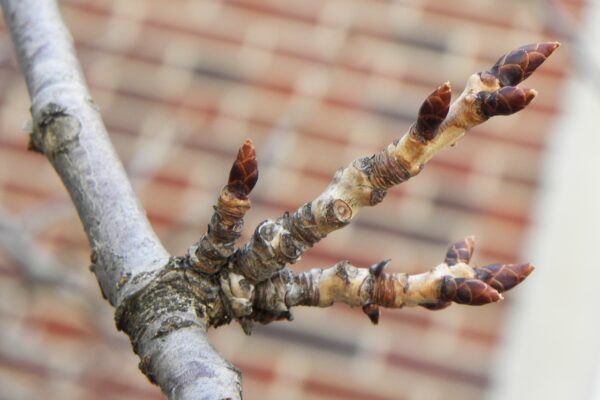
{"x": 168, "y": 333}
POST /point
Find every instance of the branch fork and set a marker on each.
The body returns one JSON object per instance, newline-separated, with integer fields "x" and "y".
{"x": 256, "y": 281}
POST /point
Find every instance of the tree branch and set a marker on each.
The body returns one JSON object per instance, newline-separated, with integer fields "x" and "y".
{"x": 365, "y": 181}
{"x": 451, "y": 281}
{"x": 214, "y": 248}
{"x": 164, "y": 317}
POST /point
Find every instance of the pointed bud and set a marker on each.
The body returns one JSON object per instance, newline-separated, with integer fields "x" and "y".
{"x": 244, "y": 172}
{"x": 504, "y": 101}
{"x": 472, "y": 292}
{"x": 372, "y": 311}
{"x": 517, "y": 65}
{"x": 432, "y": 112}
{"x": 503, "y": 277}
{"x": 461, "y": 251}
{"x": 377, "y": 269}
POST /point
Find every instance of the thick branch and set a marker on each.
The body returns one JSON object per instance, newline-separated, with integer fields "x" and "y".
{"x": 167, "y": 323}
{"x": 68, "y": 129}
{"x": 156, "y": 305}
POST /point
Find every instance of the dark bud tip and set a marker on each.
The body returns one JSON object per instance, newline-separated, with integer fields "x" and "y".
{"x": 461, "y": 251}
{"x": 472, "y": 292}
{"x": 432, "y": 112}
{"x": 517, "y": 65}
{"x": 377, "y": 269}
{"x": 372, "y": 311}
{"x": 503, "y": 277}
{"x": 244, "y": 172}
{"x": 504, "y": 101}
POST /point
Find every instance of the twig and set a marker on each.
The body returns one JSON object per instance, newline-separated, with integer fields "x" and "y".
{"x": 276, "y": 243}
{"x": 215, "y": 247}
{"x": 365, "y": 181}
{"x": 451, "y": 281}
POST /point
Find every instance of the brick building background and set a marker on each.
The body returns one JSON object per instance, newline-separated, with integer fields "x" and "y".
{"x": 315, "y": 84}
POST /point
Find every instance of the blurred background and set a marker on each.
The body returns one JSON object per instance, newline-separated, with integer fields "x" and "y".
{"x": 315, "y": 84}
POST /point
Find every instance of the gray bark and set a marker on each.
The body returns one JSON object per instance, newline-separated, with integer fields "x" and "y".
{"x": 68, "y": 129}
{"x": 165, "y": 318}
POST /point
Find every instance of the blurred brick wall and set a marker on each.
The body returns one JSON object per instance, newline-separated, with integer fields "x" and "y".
{"x": 315, "y": 84}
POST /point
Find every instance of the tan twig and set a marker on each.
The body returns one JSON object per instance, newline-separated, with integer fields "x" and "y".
{"x": 365, "y": 181}
{"x": 454, "y": 280}
{"x": 214, "y": 248}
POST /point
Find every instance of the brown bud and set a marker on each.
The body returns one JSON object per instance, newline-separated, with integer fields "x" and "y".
{"x": 517, "y": 65}
{"x": 372, "y": 311}
{"x": 432, "y": 112}
{"x": 504, "y": 101}
{"x": 472, "y": 292}
{"x": 503, "y": 277}
{"x": 461, "y": 251}
{"x": 244, "y": 172}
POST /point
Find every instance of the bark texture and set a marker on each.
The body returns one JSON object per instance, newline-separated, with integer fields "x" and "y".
{"x": 214, "y": 248}
{"x": 168, "y": 332}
